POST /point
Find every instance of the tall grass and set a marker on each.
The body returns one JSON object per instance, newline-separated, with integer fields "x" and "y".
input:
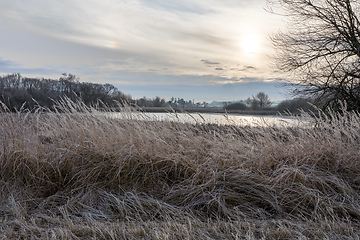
{"x": 79, "y": 173}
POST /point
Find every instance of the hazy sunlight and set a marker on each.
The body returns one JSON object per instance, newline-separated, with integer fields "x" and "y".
{"x": 250, "y": 44}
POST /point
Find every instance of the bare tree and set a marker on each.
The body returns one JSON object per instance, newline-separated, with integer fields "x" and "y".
{"x": 263, "y": 99}
{"x": 260, "y": 100}
{"x": 321, "y": 48}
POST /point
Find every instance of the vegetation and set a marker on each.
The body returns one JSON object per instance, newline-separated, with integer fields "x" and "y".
{"x": 80, "y": 173}
{"x": 236, "y": 106}
{"x": 18, "y": 92}
{"x": 321, "y": 47}
{"x": 22, "y": 92}
{"x": 146, "y": 102}
{"x": 260, "y": 101}
{"x": 296, "y": 106}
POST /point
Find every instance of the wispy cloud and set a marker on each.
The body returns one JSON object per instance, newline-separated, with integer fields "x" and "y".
{"x": 110, "y": 39}
{"x": 176, "y": 34}
{"x": 207, "y": 62}
{"x": 247, "y": 68}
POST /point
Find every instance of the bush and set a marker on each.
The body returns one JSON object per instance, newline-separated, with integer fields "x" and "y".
{"x": 295, "y": 105}
{"x": 236, "y": 106}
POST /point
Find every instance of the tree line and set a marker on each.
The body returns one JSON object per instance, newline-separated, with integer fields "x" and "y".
{"x": 261, "y": 101}
{"x": 18, "y": 92}
{"x": 174, "y": 102}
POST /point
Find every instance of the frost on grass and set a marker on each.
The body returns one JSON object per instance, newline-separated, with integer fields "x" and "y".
{"x": 78, "y": 173}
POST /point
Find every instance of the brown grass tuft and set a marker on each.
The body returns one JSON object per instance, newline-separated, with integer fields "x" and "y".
{"x": 81, "y": 173}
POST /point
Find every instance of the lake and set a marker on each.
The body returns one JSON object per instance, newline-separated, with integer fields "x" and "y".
{"x": 221, "y": 119}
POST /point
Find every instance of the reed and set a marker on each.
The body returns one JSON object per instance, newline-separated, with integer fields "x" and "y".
{"x": 79, "y": 173}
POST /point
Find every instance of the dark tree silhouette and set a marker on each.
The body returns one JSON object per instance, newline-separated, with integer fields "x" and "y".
{"x": 263, "y": 99}
{"x": 321, "y": 48}
{"x": 295, "y": 105}
{"x": 17, "y": 91}
{"x": 259, "y": 101}
{"x": 236, "y": 106}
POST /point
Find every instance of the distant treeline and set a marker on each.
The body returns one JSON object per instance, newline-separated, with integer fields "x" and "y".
{"x": 17, "y": 91}
{"x": 261, "y": 101}
{"x": 173, "y": 102}
{"x": 293, "y": 105}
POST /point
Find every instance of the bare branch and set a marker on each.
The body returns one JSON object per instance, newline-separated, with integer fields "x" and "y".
{"x": 321, "y": 48}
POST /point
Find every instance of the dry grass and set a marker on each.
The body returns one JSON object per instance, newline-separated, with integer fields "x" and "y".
{"x": 78, "y": 174}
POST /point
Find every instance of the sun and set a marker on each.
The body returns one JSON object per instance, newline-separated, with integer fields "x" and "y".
{"x": 250, "y": 44}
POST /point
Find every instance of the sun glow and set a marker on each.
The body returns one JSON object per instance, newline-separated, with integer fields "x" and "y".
{"x": 250, "y": 44}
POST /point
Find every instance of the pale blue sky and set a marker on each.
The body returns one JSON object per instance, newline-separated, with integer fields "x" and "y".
{"x": 203, "y": 50}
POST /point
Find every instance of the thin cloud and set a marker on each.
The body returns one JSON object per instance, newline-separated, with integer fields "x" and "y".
{"x": 250, "y": 67}
{"x": 247, "y": 68}
{"x": 207, "y": 62}
{"x": 157, "y": 41}
{"x": 157, "y": 30}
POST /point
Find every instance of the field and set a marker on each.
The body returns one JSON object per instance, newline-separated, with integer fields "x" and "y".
{"x": 74, "y": 174}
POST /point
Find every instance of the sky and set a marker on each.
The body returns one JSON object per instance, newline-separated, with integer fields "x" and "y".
{"x": 203, "y": 50}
